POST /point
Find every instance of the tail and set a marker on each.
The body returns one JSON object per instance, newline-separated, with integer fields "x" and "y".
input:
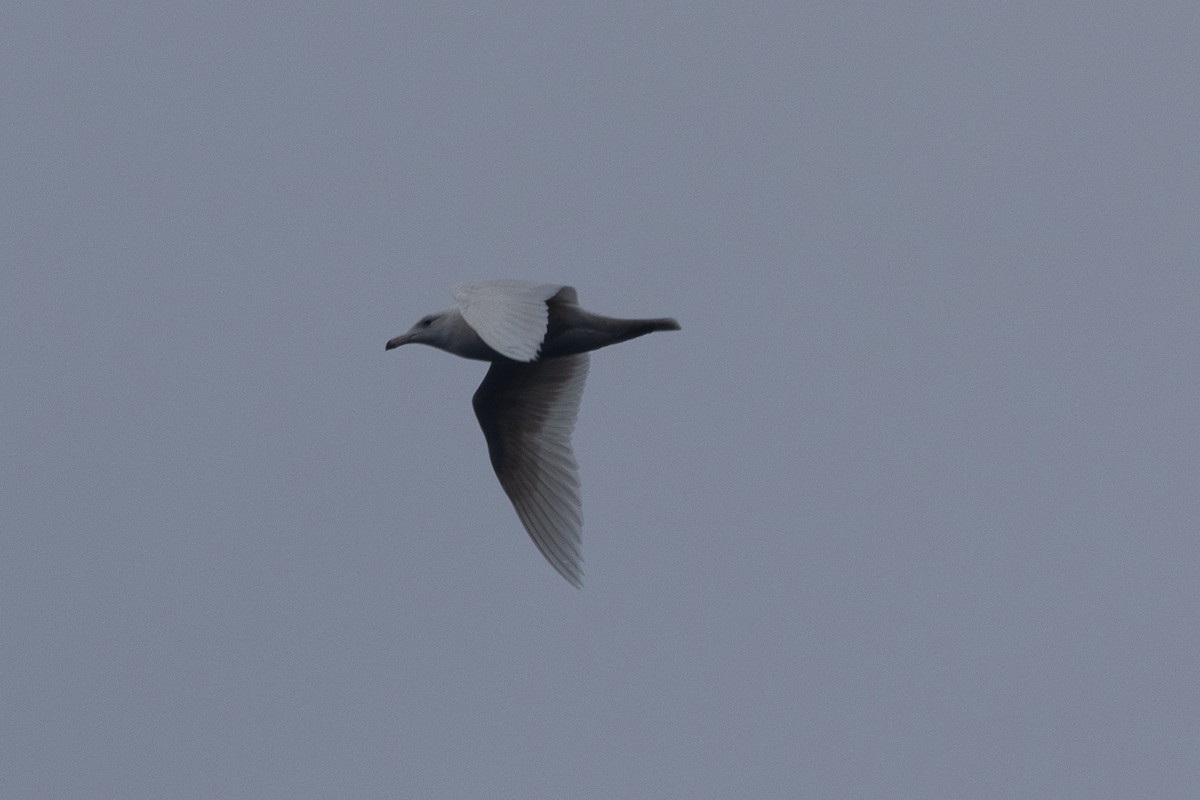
{"x": 664, "y": 324}
{"x": 572, "y": 330}
{"x": 623, "y": 330}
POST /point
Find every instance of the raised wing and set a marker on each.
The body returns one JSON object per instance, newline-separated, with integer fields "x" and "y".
{"x": 510, "y": 316}
{"x": 527, "y": 412}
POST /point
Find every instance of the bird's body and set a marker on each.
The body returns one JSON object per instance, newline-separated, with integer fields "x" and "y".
{"x": 537, "y": 339}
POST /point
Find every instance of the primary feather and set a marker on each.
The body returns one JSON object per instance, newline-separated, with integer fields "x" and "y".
{"x": 527, "y": 412}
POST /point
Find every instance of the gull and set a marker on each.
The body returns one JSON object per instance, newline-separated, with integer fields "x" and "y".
{"x": 536, "y": 338}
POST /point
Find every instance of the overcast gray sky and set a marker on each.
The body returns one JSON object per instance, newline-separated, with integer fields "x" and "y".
{"x": 908, "y": 509}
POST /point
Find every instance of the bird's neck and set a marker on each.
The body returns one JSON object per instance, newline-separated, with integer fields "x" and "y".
{"x": 462, "y": 340}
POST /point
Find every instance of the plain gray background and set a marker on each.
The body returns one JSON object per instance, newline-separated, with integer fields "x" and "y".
{"x": 908, "y": 508}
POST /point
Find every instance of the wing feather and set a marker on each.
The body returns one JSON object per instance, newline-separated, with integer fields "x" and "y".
{"x": 510, "y": 316}
{"x": 528, "y": 412}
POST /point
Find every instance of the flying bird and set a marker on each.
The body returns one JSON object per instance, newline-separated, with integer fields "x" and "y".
{"x": 536, "y": 338}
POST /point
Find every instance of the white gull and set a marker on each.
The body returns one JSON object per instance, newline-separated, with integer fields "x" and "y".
{"x": 537, "y": 339}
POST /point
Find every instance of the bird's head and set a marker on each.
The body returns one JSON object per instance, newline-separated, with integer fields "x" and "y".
{"x": 431, "y": 329}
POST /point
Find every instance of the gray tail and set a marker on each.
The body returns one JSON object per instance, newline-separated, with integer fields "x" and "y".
{"x": 584, "y": 332}
{"x": 633, "y": 328}
{"x": 664, "y": 324}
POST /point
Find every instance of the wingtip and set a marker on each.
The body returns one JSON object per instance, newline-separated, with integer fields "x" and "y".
{"x": 571, "y": 570}
{"x": 574, "y": 578}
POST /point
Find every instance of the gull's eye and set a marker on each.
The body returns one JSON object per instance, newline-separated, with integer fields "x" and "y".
{"x": 425, "y": 323}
